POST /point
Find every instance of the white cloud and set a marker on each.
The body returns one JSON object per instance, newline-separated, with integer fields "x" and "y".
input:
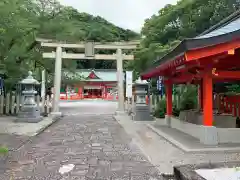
{"x": 124, "y": 13}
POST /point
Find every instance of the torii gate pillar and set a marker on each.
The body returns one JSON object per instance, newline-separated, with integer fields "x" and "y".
{"x": 57, "y": 81}
{"x": 119, "y": 57}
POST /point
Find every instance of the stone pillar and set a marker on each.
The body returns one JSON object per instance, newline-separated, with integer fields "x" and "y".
{"x": 57, "y": 81}
{"x": 151, "y": 103}
{"x": 43, "y": 85}
{"x": 120, "y": 81}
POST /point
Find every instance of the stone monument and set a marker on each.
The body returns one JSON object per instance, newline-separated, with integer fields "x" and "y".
{"x": 141, "y": 110}
{"x": 30, "y": 111}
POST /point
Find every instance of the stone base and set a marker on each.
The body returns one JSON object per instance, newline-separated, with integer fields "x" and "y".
{"x": 56, "y": 114}
{"x": 167, "y": 121}
{"x": 29, "y": 114}
{"x": 209, "y": 135}
{"x": 141, "y": 112}
{"x": 120, "y": 113}
{"x": 29, "y": 120}
{"x": 138, "y": 116}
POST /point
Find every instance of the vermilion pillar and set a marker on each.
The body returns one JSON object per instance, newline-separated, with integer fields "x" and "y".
{"x": 80, "y": 92}
{"x": 169, "y": 98}
{"x": 207, "y": 100}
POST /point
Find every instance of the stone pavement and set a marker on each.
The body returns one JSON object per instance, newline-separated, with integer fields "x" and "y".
{"x": 96, "y": 145}
{"x": 13, "y": 142}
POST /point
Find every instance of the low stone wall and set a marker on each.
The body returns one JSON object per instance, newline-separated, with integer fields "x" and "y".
{"x": 219, "y": 120}
{"x": 228, "y": 135}
{"x": 224, "y": 135}
{"x": 191, "y": 116}
{"x": 188, "y": 128}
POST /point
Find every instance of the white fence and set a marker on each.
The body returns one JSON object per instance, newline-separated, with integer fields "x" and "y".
{"x": 11, "y": 104}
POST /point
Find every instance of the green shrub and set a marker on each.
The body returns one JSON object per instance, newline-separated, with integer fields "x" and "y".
{"x": 189, "y": 98}
{"x": 160, "y": 111}
{"x": 176, "y": 111}
{"x": 3, "y": 150}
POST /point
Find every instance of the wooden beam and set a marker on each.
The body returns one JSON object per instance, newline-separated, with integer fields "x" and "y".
{"x": 212, "y": 50}
{"x": 231, "y": 51}
{"x": 52, "y": 55}
{"x": 187, "y": 77}
{"x": 123, "y": 45}
{"x": 227, "y": 75}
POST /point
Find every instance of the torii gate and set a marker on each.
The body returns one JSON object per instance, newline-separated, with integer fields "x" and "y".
{"x": 89, "y": 54}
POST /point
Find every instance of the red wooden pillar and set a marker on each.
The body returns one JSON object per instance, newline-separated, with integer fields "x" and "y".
{"x": 169, "y": 98}
{"x": 80, "y": 92}
{"x": 207, "y": 100}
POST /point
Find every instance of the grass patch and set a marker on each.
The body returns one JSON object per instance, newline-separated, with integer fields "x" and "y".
{"x": 3, "y": 150}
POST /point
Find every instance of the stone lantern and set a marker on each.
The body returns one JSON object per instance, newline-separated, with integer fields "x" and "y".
{"x": 30, "y": 111}
{"x": 141, "y": 110}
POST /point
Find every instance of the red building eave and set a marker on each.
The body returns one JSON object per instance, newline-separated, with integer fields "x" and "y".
{"x": 165, "y": 68}
{"x": 201, "y": 54}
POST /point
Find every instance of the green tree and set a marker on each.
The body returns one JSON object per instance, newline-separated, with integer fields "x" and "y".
{"x": 173, "y": 23}
{"x": 24, "y": 20}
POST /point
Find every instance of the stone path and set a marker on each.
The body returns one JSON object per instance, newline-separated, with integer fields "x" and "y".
{"x": 13, "y": 142}
{"x": 96, "y": 145}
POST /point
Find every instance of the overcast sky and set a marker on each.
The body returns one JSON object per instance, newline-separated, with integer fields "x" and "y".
{"x": 128, "y": 14}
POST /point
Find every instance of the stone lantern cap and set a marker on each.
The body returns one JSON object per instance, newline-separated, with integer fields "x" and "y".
{"x": 140, "y": 81}
{"x": 29, "y": 79}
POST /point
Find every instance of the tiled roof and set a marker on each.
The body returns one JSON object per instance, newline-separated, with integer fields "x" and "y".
{"x": 103, "y": 75}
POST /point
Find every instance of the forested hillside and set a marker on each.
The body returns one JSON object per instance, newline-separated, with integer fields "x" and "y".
{"x": 173, "y": 23}
{"x": 23, "y": 20}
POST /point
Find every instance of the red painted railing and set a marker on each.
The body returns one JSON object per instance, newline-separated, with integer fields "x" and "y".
{"x": 230, "y": 104}
{"x": 77, "y": 97}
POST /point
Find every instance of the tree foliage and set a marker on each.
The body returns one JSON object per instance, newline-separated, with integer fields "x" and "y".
{"x": 23, "y": 20}
{"x": 188, "y": 18}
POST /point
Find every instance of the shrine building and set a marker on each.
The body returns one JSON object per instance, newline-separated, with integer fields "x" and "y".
{"x": 93, "y": 84}
{"x": 209, "y": 58}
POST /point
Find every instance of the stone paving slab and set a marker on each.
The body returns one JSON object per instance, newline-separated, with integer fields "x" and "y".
{"x": 12, "y": 142}
{"x": 96, "y": 145}
{"x": 8, "y": 126}
{"x": 189, "y": 171}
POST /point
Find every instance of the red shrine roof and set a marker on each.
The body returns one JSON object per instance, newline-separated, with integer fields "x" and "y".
{"x": 95, "y": 75}
{"x": 221, "y": 38}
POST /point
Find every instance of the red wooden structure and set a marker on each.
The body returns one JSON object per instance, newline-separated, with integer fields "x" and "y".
{"x": 211, "y": 57}
{"x": 96, "y": 84}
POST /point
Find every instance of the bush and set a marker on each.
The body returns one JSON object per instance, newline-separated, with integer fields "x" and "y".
{"x": 189, "y": 98}
{"x": 176, "y": 111}
{"x": 161, "y": 109}
{"x": 3, "y": 150}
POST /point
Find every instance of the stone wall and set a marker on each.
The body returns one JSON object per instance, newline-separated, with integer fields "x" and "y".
{"x": 219, "y": 120}
{"x": 224, "y": 135}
